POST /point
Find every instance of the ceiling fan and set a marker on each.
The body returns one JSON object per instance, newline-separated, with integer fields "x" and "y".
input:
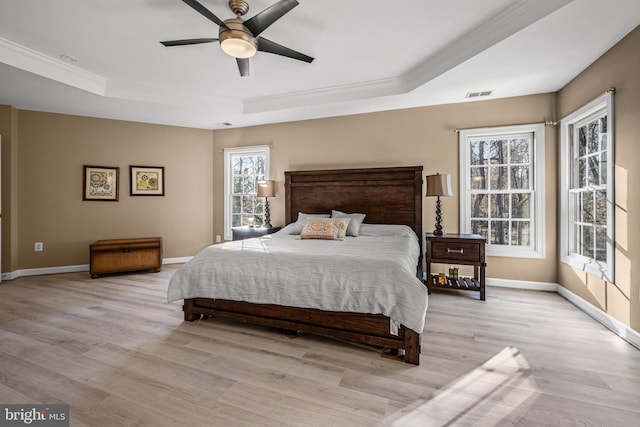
{"x": 241, "y": 39}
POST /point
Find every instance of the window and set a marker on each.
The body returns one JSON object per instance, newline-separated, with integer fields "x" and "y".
{"x": 502, "y": 188}
{"x": 242, "y": 168}
{"x": 586, "y": 202}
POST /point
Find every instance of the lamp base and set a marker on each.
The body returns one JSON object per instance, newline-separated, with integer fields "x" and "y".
{"x": 267, "y": 220}
{"x": 438, "y": 231}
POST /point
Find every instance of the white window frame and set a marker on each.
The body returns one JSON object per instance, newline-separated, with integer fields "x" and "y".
{"x": 537, "y": 247}
{"x": 602, "y": 270}
{"x": 229, "y": 154}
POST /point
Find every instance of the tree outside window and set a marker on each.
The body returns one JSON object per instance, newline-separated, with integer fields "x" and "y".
{"x": 246, "y": 207}
{"x": 244, "y": 166}
{"x": 587, "y": 198}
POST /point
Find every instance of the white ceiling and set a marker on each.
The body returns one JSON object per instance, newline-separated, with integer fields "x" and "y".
{"x": 370, "y": 55}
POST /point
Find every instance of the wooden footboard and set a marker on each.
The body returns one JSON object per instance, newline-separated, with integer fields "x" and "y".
{"x": 371, "y": 329}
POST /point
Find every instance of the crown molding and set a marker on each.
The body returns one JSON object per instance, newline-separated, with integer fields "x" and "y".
{"x": 335, "y": 94}
{"x": 26, "y": 59}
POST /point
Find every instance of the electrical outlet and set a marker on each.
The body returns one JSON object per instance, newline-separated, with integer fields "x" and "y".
{"x": 38, "y": 246}
{"x": 218, "y": 238}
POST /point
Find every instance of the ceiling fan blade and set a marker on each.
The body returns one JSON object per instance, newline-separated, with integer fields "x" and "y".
{"x": 264, "y": 19}
{"x": 204, "y": 12}
{"x": 268, "y": 46}
{"x": 243, "y": 66}
{"x": 187, "y": 41}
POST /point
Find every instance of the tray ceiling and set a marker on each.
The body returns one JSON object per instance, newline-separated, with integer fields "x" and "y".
{"x": 103, "y": 58}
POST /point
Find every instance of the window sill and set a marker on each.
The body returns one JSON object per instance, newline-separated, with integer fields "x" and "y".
{"x": 589, "y": 266}
{"x": 513, "y": 252}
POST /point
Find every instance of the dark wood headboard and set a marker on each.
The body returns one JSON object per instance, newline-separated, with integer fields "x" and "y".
{"x": 385, "y": 195}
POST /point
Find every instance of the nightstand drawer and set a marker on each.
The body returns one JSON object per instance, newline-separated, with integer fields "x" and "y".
{"x": 456, "y": 251}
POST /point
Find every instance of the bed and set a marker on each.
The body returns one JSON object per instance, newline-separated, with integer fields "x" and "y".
{"x": 391, "y": 196}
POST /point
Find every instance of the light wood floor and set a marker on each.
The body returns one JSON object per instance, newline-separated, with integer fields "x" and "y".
{"x": 115, "y": 351}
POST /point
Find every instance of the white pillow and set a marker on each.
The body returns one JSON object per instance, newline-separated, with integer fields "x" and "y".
{"x": 354, "y": 224}
{"x": 302, "y": 220}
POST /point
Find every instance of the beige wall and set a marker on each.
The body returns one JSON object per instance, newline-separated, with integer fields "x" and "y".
{"x": 418, "y": 136}
{"x": 619, "y": 68}
{"x": 9, "y": 134}
{"x": 52, "y": 151}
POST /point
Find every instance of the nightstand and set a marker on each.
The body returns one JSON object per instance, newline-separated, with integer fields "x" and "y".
{"x": 241, "y": 233}
{"x": 456, "y": 249}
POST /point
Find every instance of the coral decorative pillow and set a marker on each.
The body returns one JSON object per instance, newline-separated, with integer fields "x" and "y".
{"x": 325, "y": 228}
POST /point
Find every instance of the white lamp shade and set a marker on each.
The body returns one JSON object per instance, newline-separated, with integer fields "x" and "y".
{"x": 439, "y": 185}
{"x": 266, "y": 188}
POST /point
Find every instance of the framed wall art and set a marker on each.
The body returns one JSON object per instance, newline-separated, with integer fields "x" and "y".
{"x": 147, "y": 180}
{"x": 100, "y": 183}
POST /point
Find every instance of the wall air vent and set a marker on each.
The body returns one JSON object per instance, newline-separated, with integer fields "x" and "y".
{"x": 478, "y": 94}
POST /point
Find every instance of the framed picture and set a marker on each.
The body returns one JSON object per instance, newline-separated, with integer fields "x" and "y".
{"x": 147, "y": 180}
{"x": 101, "y": 183}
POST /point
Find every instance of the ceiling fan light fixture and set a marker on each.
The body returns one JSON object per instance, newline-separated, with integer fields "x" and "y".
{"x": 236, "y": 40}
{"x": 241, "y": 39}
{"x": 238, "y": 48}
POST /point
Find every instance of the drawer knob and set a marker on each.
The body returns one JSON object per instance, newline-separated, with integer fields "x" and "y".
{"x": 455, "y": 251}
{"x": 126, "y": 250}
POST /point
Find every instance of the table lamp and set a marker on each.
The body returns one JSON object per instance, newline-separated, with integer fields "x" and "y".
{"x": 439, "y": 185}
{"x": 266, "y": 189}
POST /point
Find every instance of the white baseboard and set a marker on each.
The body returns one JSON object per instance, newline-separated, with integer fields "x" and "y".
{"x": 8, "y": 276}
{"x": 521, "y": 284}
{"x": 180, "y": 260}
{"x": 617, "y": 327}
{"x": 41, "y": 271}
{"x": 71, "y": 269}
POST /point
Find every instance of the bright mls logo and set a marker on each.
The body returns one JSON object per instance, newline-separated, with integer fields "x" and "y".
{"x": 34, "y": 415}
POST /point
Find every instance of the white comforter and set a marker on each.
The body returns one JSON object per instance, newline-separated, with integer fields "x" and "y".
{"x": 372, "y": 273}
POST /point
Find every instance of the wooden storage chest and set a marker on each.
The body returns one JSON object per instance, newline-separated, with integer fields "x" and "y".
{"x": 122, "y": 255}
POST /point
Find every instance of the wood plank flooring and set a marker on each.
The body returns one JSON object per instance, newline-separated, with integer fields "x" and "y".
{"x": 119, "y": 354}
